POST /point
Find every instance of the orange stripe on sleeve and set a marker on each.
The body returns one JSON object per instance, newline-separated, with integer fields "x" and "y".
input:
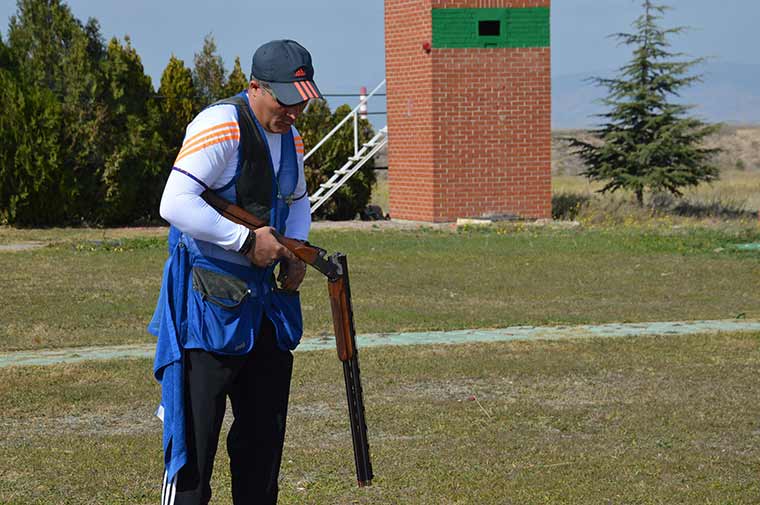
{"x": 189, "y": 145}
{"x": 218, "y": 140}
{"x": 207, "y": 130}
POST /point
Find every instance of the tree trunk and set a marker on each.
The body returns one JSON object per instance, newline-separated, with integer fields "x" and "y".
{"x": 640, "y": 196}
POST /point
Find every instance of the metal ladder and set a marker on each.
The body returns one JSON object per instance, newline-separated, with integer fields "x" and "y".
{"x": 355, "y": 162}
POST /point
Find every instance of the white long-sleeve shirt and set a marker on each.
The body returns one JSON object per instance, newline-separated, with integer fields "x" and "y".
{"x": 209, "y": 154}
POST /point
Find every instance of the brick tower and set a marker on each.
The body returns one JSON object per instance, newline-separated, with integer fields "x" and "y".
{"x": 469, "y": 108}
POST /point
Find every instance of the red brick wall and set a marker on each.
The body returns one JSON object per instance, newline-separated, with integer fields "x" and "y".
{"x": 469, "y": 129}
{"x": 409, "y": 78}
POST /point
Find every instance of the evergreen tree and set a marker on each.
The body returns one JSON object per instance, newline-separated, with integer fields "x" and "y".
{"x": 209, "y": 73}
{"x": 57, "y": 82}
{"x": 648, "y": 142}
{"x": 177, "y": 103}
{"x": 127, "y": 88}
{"x": 133, "y": 164}
{"x": 32, "y": 188}
{"x": 354, "y": 195}
{"x": 313, "y": 124}
{"x": 237, "y": 81}
{"x": 5, "y": 56}
{"x": 78, "y": 128}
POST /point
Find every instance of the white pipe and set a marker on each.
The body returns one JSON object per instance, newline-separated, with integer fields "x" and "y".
{"x": 363, "y": 102}
{"x": 356, "y": 134}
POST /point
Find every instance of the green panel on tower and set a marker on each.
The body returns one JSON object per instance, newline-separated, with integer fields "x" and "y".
{"x": 486, "y": 28}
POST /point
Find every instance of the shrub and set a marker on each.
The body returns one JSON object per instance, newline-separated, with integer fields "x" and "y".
{"x": 567, "y": 206}
{"x": 354, "y": 195}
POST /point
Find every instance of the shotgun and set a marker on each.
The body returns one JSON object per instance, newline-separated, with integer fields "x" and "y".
{"x": 335, "y": 268}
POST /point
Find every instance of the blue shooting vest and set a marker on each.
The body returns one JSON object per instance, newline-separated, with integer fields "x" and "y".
{"x": 214, "y": 299}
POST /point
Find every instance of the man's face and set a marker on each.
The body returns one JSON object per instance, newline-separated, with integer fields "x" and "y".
{"x": 274, "y": 116}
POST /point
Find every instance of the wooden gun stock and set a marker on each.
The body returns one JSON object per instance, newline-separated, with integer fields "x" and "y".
{"x": 335, "y": 268}
{"x": 342, "y": 318}
{"x": 309, "y": 254}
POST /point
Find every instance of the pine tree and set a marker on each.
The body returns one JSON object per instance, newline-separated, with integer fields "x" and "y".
{"x": 134, "y": 159}
{"x": 33, "y": 189}
{"x": 78, "y": 127}
{"x": 647, "y": 142}
{"x": 313, "y": 124}
{"x": 237, "y": 81}
{"x": 5, "y": 55}
{"x": 209, "y": 73}
{"x": 57, "y": 83}
{"x": 177, "y": 103}
{"x": 354, "y": 195}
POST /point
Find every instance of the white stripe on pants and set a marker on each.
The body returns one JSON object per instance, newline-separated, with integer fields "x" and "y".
{"x": 168, "y": 489}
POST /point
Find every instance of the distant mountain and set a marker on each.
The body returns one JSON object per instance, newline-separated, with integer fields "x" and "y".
{"x": 730, "y": 93}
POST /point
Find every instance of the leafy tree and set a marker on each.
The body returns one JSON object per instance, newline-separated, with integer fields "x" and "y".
{"x": 237, "y": 81}
{"x": 354, "y": 195}
{"x": 209, "y": 73}
{"x": 648, "y": 142}
{"x": 177, "y": 104}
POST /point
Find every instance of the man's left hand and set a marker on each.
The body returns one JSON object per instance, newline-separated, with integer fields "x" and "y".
{"x": 291, "y": 274}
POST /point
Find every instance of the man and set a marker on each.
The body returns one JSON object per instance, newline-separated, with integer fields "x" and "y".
{"x": 225, "y": 327}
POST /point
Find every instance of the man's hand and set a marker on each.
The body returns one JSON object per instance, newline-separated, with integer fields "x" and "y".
{"x": 268, "y": 249}
{"x": 291, "y": 274}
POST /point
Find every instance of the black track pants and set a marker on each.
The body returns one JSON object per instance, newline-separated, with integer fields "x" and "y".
{"x": 258, "y": 385}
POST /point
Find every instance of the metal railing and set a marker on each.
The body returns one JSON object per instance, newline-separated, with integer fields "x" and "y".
{"x": 353, "y": 115}
{"x": 352, "y": 165}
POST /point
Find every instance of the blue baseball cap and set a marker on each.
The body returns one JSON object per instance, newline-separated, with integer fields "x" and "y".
{"x": 286, "y": 66}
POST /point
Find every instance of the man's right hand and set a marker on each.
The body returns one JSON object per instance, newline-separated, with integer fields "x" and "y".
{"x": 267, "y": 249}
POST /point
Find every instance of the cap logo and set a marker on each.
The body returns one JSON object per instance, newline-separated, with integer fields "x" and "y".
{"x": 300, "y": 72}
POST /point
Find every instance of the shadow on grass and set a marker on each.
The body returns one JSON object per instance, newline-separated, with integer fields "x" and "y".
{"x": 592, "y": 207}
{"x": 715, "y": 209}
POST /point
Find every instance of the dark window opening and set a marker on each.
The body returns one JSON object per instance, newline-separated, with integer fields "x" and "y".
{"x": 489, "y": 28}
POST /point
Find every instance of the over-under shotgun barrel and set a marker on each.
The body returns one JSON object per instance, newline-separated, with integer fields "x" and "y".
{"x": 345, "y": 341}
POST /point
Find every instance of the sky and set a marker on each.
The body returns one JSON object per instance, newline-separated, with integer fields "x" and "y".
{"x": 346, "y": 37}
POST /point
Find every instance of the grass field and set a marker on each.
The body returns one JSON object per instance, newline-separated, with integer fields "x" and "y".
{"x": 646, "y": 420}
{"x": 655, "y": 420}
{"x": 86, "y": 291}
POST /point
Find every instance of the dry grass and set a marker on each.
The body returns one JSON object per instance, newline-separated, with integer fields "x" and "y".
{"x": 736, "y": 188}
{"x": 740, "y": 144}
